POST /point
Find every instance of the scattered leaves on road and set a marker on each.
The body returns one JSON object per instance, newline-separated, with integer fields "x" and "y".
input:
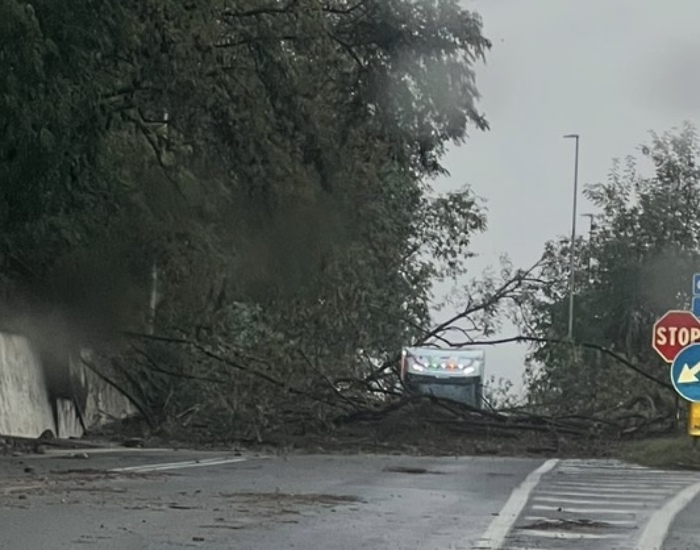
{"x": 284, "y": 504}
{"x": 568, "y": 524}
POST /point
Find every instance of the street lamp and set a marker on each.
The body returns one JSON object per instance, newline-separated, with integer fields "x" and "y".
{"x": 572, "y": 267}
{"x": 591, "y": 229}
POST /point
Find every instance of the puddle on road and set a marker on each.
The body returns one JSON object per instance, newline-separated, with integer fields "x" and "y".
{"x": 411, "y": 470}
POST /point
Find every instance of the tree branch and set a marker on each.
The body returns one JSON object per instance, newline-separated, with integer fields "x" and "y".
{"x": 156, "y": 368}
{"x": 348, "y": 48}
{"x": 587, "y": 345}
{"x": 499, "y": 294}
{"x": 231, "y": 363}
{"x": 260, "y": 11}
{"x": 340, "y": 11}
{"x": 142, "y": 411}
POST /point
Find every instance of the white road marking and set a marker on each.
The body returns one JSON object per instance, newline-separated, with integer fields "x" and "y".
{"x": 620, "y": 495}
{"x": 569, "y": 535}
{"x": 621, "y": 468}
{"x": 634, "y": 482}
{"x": 96, "y": 451}
{"x": 629, "y": 500}
{"x": 657, "y": 528}
{"x": 634, "y": 477}
{"x": 598, "y": 486}
{"x": 178, "y": 465}
{"x": 607, "y": 489}
{"x": 612, "y": 470}
{"x": 499, "y": 528}
{"x": 647, "y": 474}
{"x": 587, "y": 502}
{"x": 594, "y": 510}
{"x": 629, "y": 478}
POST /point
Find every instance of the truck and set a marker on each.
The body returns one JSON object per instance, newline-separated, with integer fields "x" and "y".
{"x": 455, "y": 374}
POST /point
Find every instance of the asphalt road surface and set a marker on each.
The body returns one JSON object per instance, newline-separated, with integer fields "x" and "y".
{"x": 158, "y": 499}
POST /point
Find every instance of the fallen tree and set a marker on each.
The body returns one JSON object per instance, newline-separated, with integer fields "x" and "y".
{"x": 211, "y": 382}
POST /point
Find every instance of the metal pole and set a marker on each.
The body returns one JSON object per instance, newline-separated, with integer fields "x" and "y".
{"x": 572, "y": 266}
{"x": 591, "y": 217}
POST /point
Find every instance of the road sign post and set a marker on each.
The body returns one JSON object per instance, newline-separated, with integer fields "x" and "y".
{"x": 696, "y": 306}
{"x": 696, "y": 295}
{"x": 696, "y": 284}
{"x": 674, "y": 331}
{"x": 694, "y": 420}
{"x": 676, "y": 338}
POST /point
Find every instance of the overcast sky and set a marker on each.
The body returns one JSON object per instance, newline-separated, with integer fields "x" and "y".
{"x": 609, "y": 70}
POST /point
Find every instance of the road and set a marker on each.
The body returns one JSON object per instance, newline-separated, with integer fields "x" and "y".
{"x": 157, "y": 499}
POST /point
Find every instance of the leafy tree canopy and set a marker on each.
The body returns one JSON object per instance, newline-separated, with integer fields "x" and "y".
{"x": 271, "y": 158}
{"x": 637, "y": 264}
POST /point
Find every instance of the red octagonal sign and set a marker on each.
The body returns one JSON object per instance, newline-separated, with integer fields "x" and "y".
{"x": 674, "y": 331}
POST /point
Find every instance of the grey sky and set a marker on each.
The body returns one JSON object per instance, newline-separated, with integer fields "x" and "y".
{"x": 609, "y": 70}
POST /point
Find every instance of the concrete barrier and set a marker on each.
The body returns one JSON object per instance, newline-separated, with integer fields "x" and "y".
{"x": 25, "y": 409}
{"x": 27, "y": 406}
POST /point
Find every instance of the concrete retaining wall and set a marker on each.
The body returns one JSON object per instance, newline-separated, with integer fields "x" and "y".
{"x": 25, "y": 401}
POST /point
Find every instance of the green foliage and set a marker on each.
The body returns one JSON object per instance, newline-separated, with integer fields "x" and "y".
{"x": 270, "y": 157}
{"x": 50, "y": 129}
{"x": 498, "y": 394}
{"x": 636, "y": 265}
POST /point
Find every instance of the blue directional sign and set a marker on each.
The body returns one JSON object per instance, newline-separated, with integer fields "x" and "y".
{"x": 696, "y": 284}
{"x": 685, "y": 373}
{"x": 696, "y": 306}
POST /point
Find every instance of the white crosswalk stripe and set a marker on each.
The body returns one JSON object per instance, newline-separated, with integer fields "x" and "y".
{"x": 577, "y": 494}
{"x": 594, "y": 504}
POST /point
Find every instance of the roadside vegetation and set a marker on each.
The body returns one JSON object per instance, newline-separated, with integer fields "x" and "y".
{"x": 672, "y": 452}
{"x": 634, "y": 265}
{"x": 232, "y": 206}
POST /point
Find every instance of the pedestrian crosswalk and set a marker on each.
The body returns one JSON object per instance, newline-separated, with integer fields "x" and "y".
{"x": 594, "y": 504}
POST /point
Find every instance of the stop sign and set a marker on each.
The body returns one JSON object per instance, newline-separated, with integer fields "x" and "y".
{"x": 674, "y": 331}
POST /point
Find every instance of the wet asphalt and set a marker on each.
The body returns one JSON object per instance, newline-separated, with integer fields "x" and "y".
{"x": 163, "y": 499}
{"x": 252, "y": 502}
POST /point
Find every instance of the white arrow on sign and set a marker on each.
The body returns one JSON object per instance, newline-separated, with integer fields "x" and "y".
{"x": 689, "y": 375}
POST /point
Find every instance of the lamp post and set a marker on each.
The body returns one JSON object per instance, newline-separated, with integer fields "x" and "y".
{"x": 572, "y": 267}
{"x": 591, "y": 228}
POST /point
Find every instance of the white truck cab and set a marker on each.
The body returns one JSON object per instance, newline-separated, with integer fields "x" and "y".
{"x": 456, "y": 374}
